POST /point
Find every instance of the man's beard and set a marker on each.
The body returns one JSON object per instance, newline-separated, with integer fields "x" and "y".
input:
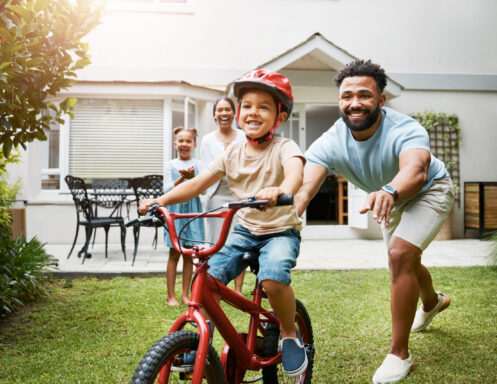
{"x": 358, "y": 126}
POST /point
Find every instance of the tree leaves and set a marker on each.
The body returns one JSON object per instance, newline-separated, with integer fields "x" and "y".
{"x": 40, "y": 50}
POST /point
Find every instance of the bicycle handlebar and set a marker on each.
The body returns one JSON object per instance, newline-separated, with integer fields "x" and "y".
{"x": 150, "y": 217}
{"x": 251, "y": 202}
{"x": 157, "y": 214}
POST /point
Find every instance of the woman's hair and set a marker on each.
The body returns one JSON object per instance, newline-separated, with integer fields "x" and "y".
{"x": 193, "y": 132}
{"x": 225, "y": 98}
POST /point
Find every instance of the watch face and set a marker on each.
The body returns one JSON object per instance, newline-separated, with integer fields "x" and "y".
{"x": 389, "y": 189}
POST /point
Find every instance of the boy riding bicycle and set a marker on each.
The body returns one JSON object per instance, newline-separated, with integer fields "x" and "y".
{"x": 264, "y": 166}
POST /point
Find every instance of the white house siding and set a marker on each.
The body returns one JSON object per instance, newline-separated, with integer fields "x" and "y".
{"x": 216, "y": 41}
{"x": 225, "y": 38}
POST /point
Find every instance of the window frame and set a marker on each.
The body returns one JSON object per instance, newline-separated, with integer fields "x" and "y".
{"x": 168, "y": 153}
{"x": 165, "y": 91}
{"x": 45, "y": 157}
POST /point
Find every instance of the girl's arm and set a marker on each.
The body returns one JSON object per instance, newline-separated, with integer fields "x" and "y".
{"x": 293, "y": 169}
{"x": 183, "y": 192}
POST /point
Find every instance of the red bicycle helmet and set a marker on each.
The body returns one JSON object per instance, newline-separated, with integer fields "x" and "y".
{"x": 276, "y": 84}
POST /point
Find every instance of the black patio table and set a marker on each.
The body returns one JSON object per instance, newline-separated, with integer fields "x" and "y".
{"x": 108, "y": 194}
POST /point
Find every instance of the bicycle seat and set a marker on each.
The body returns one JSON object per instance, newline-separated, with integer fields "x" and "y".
{"x": 252, "y": 259}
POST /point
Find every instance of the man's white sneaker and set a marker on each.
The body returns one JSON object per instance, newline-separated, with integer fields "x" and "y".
{"x": 423, "y": 319}
{"x": 393, "y": 369}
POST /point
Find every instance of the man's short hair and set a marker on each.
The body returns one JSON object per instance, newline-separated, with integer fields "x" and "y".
{"x": 363, "y": 68}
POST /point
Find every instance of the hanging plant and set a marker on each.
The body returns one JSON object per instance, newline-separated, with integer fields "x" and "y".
{"x": 443, "y": 129}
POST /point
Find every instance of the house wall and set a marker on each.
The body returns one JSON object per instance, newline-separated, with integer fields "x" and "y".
{"x": 477, "y": 113}
{"x": 222, "y": 39}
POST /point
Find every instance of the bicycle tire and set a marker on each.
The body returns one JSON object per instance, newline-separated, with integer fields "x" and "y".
{"x": 165, "y": 351}
{"x": 274, "y": 374}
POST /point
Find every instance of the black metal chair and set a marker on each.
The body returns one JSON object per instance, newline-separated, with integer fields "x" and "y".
{"x": 86, "y": 208}
{"x": 110, "y": 194}
{"x": 146, "y": 187}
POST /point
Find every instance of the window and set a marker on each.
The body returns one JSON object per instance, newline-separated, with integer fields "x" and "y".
{"x": 50, "y": 173}
{"x": 184, "y": 114}
{"x": 116, "y": 138}
{"x": 190, "y": 120}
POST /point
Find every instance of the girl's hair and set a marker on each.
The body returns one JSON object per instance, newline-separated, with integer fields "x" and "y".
{"x": 193, "y": 132}
{"x": 225, "y": 98}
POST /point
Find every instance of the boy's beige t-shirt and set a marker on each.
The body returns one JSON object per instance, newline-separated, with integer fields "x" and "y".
{"x": 247, "y": 175}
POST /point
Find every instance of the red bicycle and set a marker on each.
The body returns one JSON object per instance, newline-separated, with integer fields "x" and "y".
{"x": 254, "y": 350}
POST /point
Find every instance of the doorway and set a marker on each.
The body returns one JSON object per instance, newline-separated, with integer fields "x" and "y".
{"x": 295, "y": 126}
{"x": 324, "y": 207}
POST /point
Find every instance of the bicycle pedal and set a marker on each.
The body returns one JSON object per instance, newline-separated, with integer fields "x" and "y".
{"x": 186, "y": 376}
{"x": 183, "y": 369}
{"x": 264, "y": 294}
{"x": 310, "y": 350}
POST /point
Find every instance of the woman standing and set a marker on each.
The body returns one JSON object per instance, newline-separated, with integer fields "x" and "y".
{"x": 212, "y": 145}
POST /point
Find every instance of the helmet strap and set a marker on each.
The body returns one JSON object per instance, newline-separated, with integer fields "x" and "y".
{"x": 268, "y": 136}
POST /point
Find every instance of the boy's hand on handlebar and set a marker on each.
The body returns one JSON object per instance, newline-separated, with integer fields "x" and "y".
{"x": 270, "y": 194}
{"x": 145, "y": 204}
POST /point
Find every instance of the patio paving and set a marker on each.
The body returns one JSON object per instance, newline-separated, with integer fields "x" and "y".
{"x": 314, "y": 255}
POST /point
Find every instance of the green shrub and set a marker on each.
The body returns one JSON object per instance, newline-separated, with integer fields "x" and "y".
{"x": 493, "y": 250}
{"x": 7, "y": 191}
{"x": 23, "y": 277}
{"x": 22, "y": 263}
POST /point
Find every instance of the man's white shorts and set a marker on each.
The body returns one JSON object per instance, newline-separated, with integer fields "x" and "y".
{"x": 418, "y": 220}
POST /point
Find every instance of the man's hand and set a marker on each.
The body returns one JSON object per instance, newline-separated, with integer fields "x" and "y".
{"x": 145, "y": 204}
{"x": 381, "y": 204}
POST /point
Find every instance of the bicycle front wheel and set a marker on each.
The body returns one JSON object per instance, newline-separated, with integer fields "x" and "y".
{"x": 168, "y": 353}
{"x": 274, "y": 374}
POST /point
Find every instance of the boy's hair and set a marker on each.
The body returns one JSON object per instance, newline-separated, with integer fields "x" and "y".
{"x": 363, "y": 68}
{"x": 193, "y": 132}
{"x": 225, "y": 98}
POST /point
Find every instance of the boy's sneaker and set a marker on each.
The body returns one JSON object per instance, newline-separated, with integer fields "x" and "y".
{"x": 423, "y": 319}
{"x": 186, "y": 363}
{"x": 393, "y": 369}
{"x": 293, "y": 356}
{"x": 187, "y": 359}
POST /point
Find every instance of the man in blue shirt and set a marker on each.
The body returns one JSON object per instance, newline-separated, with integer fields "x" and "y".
{"x": 387, "y": 154}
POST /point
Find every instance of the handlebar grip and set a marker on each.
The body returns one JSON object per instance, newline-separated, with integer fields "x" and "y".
{"x": 130, "y": 223}
{"x": 285, "y": 199}
{"x": 152, "y": 208}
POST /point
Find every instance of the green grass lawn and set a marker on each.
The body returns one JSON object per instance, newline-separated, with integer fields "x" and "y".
{"x": 93, "y": 331}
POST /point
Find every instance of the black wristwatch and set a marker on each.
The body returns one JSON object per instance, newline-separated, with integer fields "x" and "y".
{"x": 391, "y": 190}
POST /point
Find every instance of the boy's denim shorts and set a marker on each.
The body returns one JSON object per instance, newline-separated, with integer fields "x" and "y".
{"x": 278, "y": 255}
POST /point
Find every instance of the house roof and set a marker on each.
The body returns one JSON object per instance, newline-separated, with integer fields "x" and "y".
{"x": 317, "y": 54}
{"x": 146, "y": 88}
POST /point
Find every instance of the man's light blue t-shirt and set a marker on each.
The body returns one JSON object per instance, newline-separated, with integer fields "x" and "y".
{"x": 373, "y": 163}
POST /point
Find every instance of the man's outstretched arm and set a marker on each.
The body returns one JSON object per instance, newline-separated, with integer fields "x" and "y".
{"x": 314, "y": 176}
{"x": 412, "y": 176}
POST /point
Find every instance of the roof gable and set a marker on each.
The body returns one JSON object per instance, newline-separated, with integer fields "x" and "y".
{"x": 318, "y": 54}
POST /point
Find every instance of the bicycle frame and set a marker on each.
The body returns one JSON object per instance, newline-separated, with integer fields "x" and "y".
{"x": 244, "y": 350}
